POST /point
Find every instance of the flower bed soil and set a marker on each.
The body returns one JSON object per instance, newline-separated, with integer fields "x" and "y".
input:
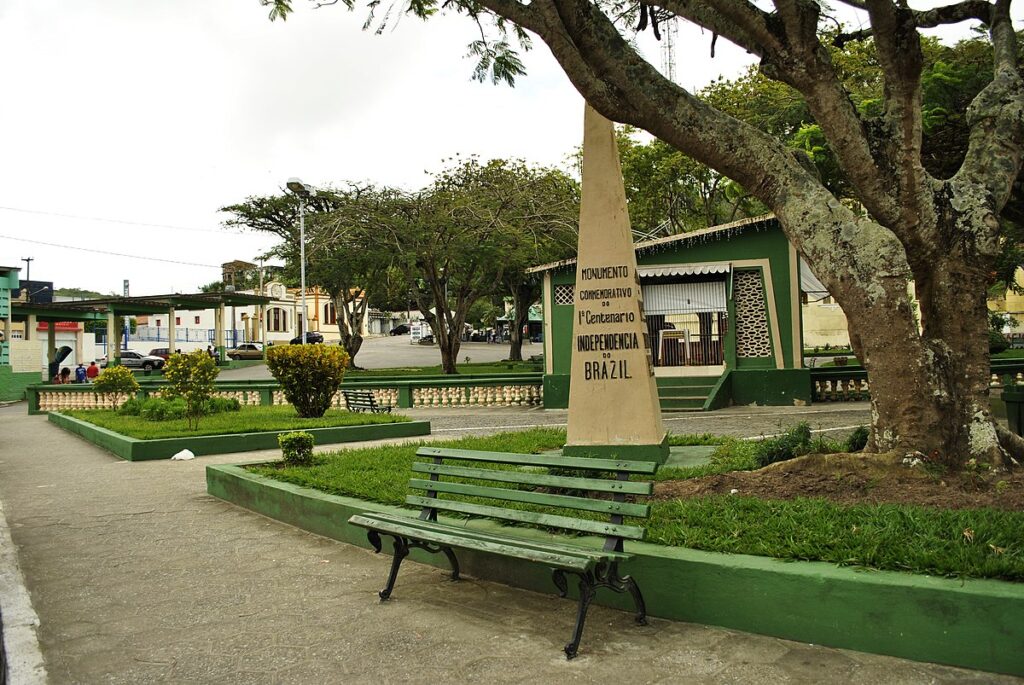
{"x": 860, "y": 479}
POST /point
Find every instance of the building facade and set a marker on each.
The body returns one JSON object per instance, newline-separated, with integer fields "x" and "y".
{"x": 723, "y": 318}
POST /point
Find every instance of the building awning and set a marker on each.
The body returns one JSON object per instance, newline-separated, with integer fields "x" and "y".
{"x": 809, "y": 283}
{"x": 683, "y": 270}
{"x": 684, "y": 298}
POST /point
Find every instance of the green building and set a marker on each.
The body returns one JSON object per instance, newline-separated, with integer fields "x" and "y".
{"x": 8, "y": 281}
{"x": 722, "y": 308}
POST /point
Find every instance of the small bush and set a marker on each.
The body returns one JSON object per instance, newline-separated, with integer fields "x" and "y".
{"x": 162, "y": 409}
{"x": 792, "y": 443}
{"x": 116, "y": 381}
{"x": 191, "y": 378}
{"x": 297, "y": 448}
{"x": 219, "y": 405}
{"x": 310, "y": 375}
{"x": 131, "y": 407}
{"x": 858, "y": 439}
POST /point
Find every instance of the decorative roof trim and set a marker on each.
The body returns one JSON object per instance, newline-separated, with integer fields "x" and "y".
{"x": 657, "y": 242}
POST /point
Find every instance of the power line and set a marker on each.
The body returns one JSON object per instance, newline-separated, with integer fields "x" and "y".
{"x": 110, "y": 221}
{"x": 113, "y": 254}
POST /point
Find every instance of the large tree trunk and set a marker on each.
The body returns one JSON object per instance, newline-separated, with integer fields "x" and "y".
{"x": 928, "y": 381}
{"x": 522, "y": 297}
{"x": 350, "y": 324}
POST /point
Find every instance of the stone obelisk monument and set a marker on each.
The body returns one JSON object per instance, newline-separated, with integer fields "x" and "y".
{"x": 613, "y": 401}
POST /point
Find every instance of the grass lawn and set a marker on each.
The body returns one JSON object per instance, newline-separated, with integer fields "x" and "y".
{"x": 246, "y": 420}
{"x": 1009, "y": 354}
{"x": 479, "y": 367}
{"x": 891, "y": 537}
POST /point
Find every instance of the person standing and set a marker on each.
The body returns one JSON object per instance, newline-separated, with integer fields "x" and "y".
{"x": 92, "y": 372}
{"x": 80, "y": 374}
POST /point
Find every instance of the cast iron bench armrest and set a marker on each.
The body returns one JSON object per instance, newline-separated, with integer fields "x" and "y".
{"x": 363, "y": 400}
{"x": 514, "y": 488}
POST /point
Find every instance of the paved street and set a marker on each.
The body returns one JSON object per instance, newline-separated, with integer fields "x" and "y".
{"x": 138, "y": 576}
{"x": 389, "y": 352}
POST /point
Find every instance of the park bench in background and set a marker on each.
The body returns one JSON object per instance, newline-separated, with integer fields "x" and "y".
{"x": 363, "y": 400}
{"x": 548, "y": 497}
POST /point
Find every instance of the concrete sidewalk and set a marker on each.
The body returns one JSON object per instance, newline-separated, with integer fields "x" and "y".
{"x": 138, "y": 576}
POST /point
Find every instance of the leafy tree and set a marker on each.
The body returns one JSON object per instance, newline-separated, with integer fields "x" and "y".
{"x": 929, "y": 389}
{"x": 191, "y": 377}
{"x": 473, "y": 232}
{"x": 346, "y": 267}
{"x": 670, "y": 193}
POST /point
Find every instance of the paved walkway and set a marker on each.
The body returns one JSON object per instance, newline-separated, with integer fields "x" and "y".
{"x": 138, "y": 576}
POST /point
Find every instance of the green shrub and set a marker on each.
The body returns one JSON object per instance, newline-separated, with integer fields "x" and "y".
{"x": 997, "y": 342}
{"x": 131, "y": 407}
{"x": 163, "y": 409}
{"x": 116, "y": 381}
{"x": 219, "y": 405}
{"x": 191, "y": 378}
{"x": 792, "y": 443}
{"x": 858, "y": 439}
{"x": 309, "y": 375}
{"x": 297, "y": 448}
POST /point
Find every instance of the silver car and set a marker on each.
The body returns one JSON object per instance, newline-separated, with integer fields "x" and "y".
{"x": 134, "y": 360}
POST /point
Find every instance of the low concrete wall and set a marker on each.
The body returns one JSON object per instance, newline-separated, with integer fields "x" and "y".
{"x": 134, "y": 449}
{"x": 968, "y": 623}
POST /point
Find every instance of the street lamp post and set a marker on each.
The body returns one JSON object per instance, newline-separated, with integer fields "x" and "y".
{"x": 303, "y": 192}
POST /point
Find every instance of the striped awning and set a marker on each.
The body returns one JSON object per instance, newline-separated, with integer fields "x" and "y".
{"x": 683, "y": 298}
{"x": 683, "y": 270}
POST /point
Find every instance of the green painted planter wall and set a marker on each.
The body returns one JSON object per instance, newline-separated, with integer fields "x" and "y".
{"x": 971, "y": 623}
{"x": 13, "y": 384}
{"x": 134, "y": 449}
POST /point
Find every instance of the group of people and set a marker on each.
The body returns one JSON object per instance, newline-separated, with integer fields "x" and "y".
{"x": 82, "y": 374}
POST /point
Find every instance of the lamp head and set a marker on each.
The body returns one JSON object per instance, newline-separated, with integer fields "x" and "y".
{"x": 299, "y": 188}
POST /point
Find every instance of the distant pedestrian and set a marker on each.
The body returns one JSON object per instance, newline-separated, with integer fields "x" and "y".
{"x": 65, "y": 375}
{"x": 92, "y": 371}
{"x": 80, "y": 374}
{"x": 209, "y": 351}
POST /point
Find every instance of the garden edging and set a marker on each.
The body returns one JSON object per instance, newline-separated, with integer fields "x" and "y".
{"x": 972, "y": 623}
{"x": 134, "y": 449}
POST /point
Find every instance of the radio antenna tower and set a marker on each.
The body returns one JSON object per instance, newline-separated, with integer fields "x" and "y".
{"x": 668, "y": 41}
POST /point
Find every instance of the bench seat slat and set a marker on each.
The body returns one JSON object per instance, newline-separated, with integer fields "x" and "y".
{"x": 583, "y": 525}
{"x": 439, "y": 536}
{"x": 464, "y": 531}
{"x": 648, "y": 467}
{"x": 602, "y": 506}
{"x": 597, "y": 484}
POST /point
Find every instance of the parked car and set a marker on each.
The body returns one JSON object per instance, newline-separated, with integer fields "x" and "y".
{"x": 400, "y": 329}
{"x": 134, "y": 360}
{"x": 247, "y": 351}
{"x": 311, "y": 337}
{"x": 162, "y": 352}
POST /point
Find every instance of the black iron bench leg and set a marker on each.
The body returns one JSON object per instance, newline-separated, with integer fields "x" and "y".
{"x": 401, "y": 551}
{"x": 638, "y": 599}
{"x": 587, "y": 592}
{"x": 448, "y": 552}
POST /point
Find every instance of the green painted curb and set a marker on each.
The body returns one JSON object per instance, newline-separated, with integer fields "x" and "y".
{"x": 134, "y": 449}
{"x": 968, "y": 623}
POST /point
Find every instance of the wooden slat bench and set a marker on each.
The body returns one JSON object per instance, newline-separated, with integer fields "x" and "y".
{"x": 363, "y": 400}
{"x": 547, "y": 495}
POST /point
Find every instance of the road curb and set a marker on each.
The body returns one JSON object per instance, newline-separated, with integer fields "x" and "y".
{"x": 23, "y": 660}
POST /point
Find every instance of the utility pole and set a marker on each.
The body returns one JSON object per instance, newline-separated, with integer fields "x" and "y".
{"x": 28, "y": 275}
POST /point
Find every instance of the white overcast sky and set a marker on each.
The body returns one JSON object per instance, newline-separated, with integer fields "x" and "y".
{"x": 160, "y": 111}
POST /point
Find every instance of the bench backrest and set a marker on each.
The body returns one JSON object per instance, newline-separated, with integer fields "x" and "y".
{"x": 359, "y": 398}
{"x": 537, "y": 495}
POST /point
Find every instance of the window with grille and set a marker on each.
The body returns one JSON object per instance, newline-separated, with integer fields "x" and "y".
{"x": 564, "y": 294}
